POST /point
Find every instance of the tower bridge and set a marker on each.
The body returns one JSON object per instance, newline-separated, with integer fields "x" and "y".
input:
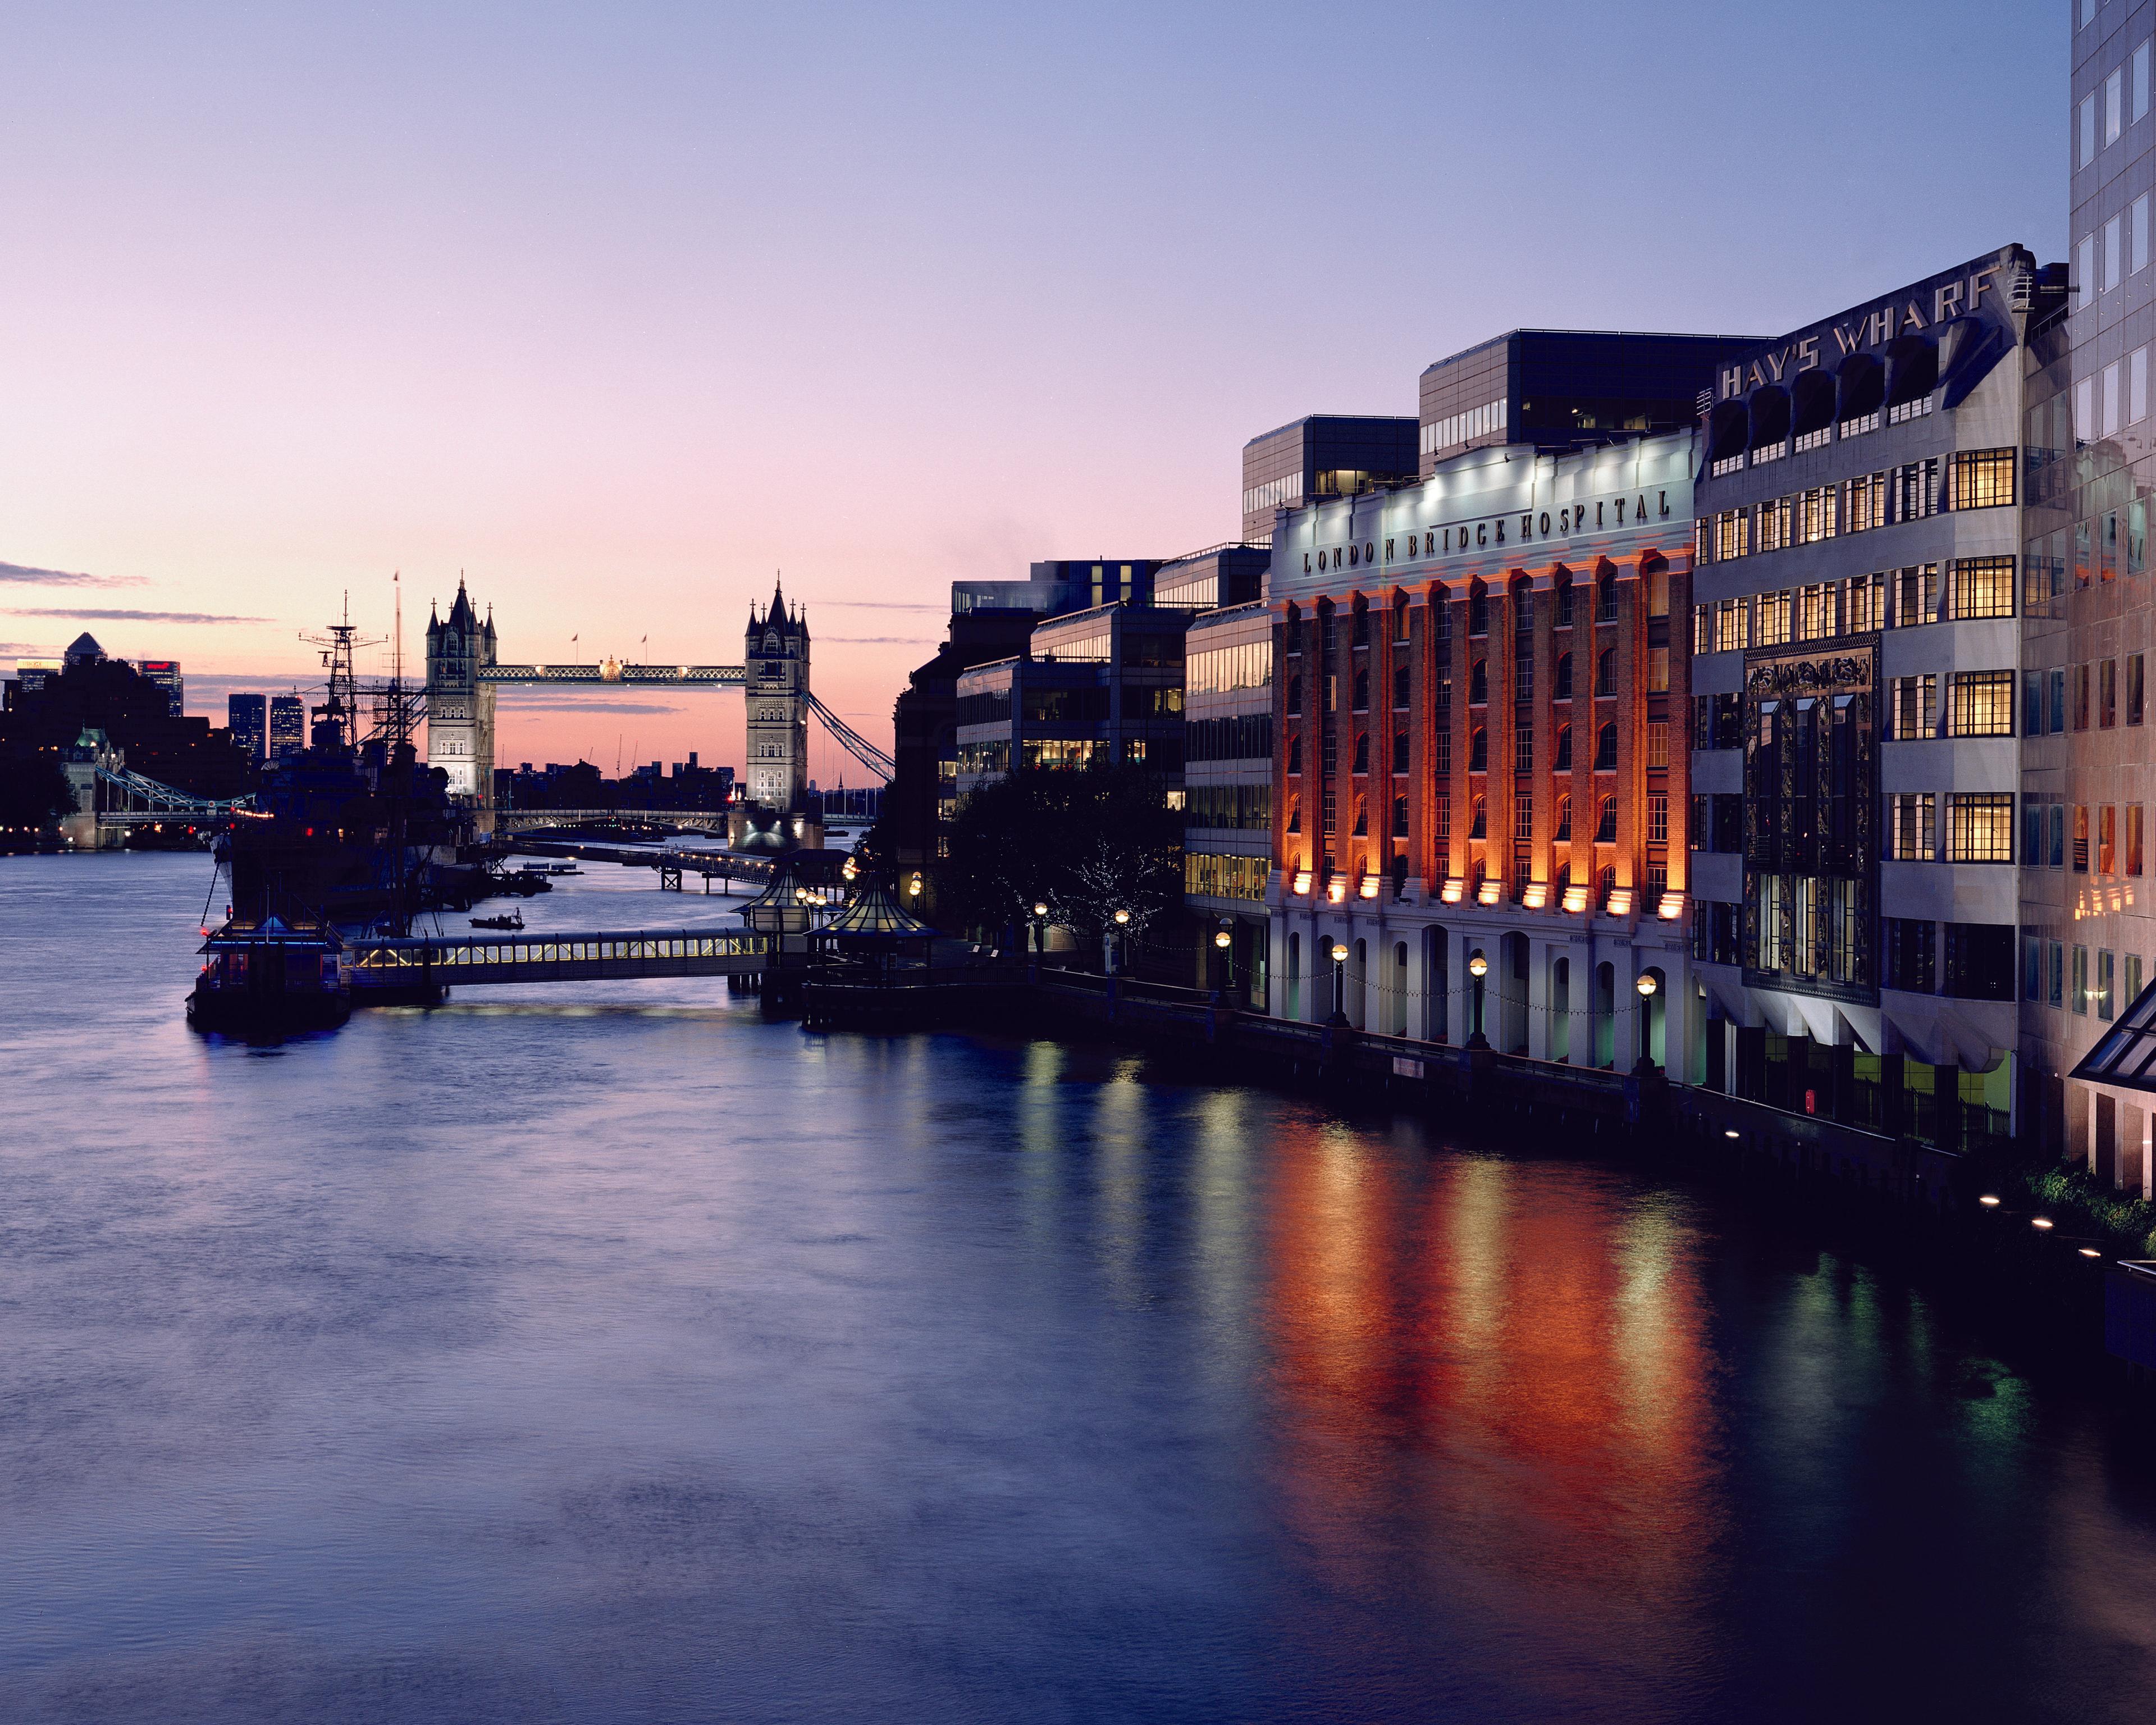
{"x": 463, "y": 674}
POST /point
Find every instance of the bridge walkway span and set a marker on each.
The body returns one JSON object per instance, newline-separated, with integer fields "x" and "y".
{"x": 423, "y": 961}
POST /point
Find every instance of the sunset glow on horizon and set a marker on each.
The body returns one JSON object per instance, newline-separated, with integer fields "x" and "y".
{"x": 619, "y": 313}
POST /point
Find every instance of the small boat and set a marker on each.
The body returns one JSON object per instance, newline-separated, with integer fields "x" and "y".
{"x": 513, "y": 921}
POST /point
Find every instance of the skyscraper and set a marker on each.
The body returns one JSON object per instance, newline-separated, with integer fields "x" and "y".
{"x": 288, "y": 725}
{"x": 165, "y": 673}
{"x": 247, "y": 715}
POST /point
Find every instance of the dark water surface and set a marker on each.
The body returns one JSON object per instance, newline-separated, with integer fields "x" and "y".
{"x": 602, "y": 1352}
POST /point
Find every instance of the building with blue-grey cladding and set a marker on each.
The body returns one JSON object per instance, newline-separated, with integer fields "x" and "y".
{"x": 1480, "y": 787}
{"x": 1858, "y": 599}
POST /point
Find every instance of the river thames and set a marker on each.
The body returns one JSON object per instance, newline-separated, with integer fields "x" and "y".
{"x": 604, "y": 1352}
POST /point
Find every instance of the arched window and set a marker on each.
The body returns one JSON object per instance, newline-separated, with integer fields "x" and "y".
{"x": 1363, "y": 751}
{"x": 1362, "y": 818}
{"x": 1478, "y": 751}
{"x": 1609, "y": 882}
{"x": 1564, "y": 819}
{"x": 1563, "y": 691}
{"x": 1400, "y": 752}
{"x": 1606, "y": 833}
{"x": 1605, "y": 672}
{"x": 1478, "y": 610}
{"x": 1361, "y": 638}
{"x": 1293, "y": 630}
{"x": 1295, "y": 754}
{"x": 1605, "y": 599}
{"x": 1400, "y": 886}
{"x": 1563, "y": 880}
{"x": 1563, "y": 748}
{"x": 1400, "y": 685}
{"x": 1478, "y": 683}
{"x": 1295, "y": 814}
{"x": 1605, "y": 749}
{"x": 1400, "y": 818}
{"x": 1564, "y": 601}
{"x": 1478, "y": 827}
{"x": 1362, "y": 688}
{"x": 1295, "y": 694}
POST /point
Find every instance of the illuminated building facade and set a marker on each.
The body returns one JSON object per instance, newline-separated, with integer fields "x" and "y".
{"x": 1857, "y": 640}
{"x": 1479, "y": 696}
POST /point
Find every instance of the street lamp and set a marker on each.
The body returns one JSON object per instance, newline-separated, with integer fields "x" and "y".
{"x": 1478, "y": 967}
{"x": 1339, "y": 984}
{"x": 1040, "y": 927}
{"x": 1646, "y": 986}
{"x": 1111, "y": 953}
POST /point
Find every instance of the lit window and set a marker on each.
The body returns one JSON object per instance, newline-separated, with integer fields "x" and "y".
{"x": 1981, "y": 703}
{"x": 1982, "y": 587}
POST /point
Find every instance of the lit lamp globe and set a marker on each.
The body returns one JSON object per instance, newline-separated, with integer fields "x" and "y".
{"x": 1478, "y": 966}
{"x": 1040, "y": 909}
{"x": 1122, "y": 919}
{"x": 1646, "y": 985}
{"x": 1340, "y": 951}
{"x": 1220, "y": 940}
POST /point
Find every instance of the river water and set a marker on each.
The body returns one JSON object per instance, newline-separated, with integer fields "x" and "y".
{"x": 602, "y": 1352}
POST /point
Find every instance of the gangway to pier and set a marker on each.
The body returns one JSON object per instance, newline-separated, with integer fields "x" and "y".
{"x": 418, "y": 964}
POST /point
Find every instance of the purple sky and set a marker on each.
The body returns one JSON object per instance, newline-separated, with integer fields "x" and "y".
{"x": 618, "y": 308}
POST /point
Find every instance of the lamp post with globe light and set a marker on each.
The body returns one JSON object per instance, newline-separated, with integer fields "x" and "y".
{"x": 1339, "y": 1018}
{"x": 1478, "y": 967}
{"x": 1647, "y": 987}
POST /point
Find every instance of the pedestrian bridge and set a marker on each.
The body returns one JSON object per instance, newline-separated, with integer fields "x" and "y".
{"x": 421, "y": 964}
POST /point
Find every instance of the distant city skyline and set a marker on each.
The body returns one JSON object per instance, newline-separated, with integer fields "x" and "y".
{"x": 618, "y": 313}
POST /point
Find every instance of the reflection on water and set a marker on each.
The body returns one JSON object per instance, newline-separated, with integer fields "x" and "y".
{"x": 605, "y": 1352}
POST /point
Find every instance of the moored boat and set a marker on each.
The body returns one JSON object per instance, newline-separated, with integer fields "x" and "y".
{"x": 271, "y": 976}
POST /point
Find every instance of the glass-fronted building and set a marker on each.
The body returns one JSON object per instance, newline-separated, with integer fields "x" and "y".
{"x": 1558, "y": 389}
{"x": 247, "y": 717}
{"x": 2089, "y": 940}
{"x": 1321, "y": 455}
{"x": 288, "y": 725}
{"x": 1103, "y": 685}
{"x": 1228, "y": 790}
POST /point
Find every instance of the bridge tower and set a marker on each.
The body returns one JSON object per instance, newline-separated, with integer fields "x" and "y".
{"x": 459, "y": 707}
{"x": 775, "y": 659}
